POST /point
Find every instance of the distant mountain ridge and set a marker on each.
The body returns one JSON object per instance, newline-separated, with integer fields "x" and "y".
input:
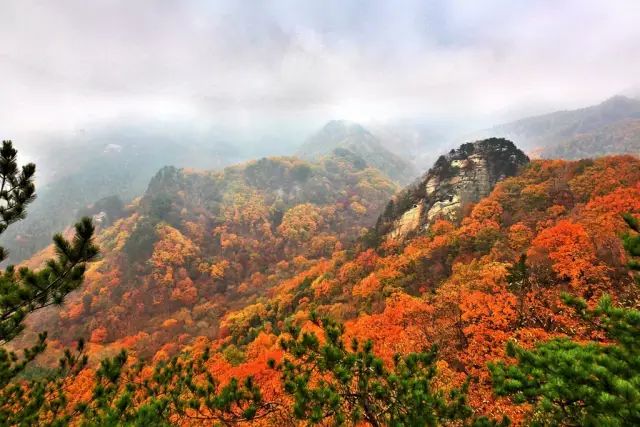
{"x": 611, "y": 127}
{"x": 78, "y": 173}
{"x": 343, "y": 134}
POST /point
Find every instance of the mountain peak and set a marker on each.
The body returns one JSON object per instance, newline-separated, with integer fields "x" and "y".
{"x": 348, "y": 125}
{"x": 344, "y": 134}
{"x": 461, "y": 177}
{"x": 338, "y": 132}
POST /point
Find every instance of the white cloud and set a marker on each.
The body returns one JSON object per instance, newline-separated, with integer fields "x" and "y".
{"x": 68, "y": 63}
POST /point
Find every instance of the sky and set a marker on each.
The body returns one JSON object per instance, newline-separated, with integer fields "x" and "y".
{"x": 68, "y": 65}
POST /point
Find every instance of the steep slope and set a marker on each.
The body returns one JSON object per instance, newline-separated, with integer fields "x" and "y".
{"x": 611, "y": 127}
{"x": 457, "y": 180}
{"x": 454, "y": 285}
{"x": 345, "y": 135}
{"x": 200, "y": 244}
{"x": 210, "y": 254}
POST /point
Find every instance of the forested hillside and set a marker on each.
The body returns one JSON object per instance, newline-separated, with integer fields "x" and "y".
{"x": 471, "y": 288}
{"x": 199, "y": 244}
{"x": 346, "y": 135}
{"x": 467, "y": 287}
{"x": 611, "y": 127}
{"x": 80, "y": 170}
{"x": 261, "y": 281}
{"x": 319, "y": 213}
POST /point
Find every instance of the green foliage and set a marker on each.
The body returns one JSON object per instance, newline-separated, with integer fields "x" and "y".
{"x": 518, "y": 275}
{"x": 139, "y": 246}
{"x": 358, "y": 162}
{"x": 519, "y": 283}
{"x": 372, "y": 238}
{"x": 185, "y": 384}
{"x": 16, "y": 188}
{"x": 33, "y": 402}
{"x": 579, "y": 384}
{"x": 631, "y": 243}
{"x": 23, "y": 291}
{"x": 233, "y": 355}
{"x": 571, "y": 383}
{"x": 330, "y": 383}
{"x": 180, "y": 388}
{"x": 160, "y": 207}
{"x": 301, "y": 172}
{"x": 177, "y": 390}
{"x": 111, "y": 206}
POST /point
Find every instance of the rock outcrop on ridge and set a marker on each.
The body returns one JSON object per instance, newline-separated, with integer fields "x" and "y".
{"x": 457, "y": 179}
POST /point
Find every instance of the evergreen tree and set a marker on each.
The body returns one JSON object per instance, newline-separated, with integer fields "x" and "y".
{"x": 581, "y": 384}
{"x": 23, "y": 290}
{"x": 16, "y": 188}
{"x": 519, "y": 284}
{"x": 631, "y": 244}
{"x": 179, "y": 390}
{"x": 330, "y": 383}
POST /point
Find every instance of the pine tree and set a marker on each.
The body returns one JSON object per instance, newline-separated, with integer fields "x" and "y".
{"x": 332, "y": 384}
{"x": 23, "y": 290}
{"x": 571, "y": 383}
{"x": 519, "y": 284}
{"x": 17, "y": 189}
{"x": 179, "y": 391}
{"x": 181, "y": 388}
{"x": 631, "y": 244}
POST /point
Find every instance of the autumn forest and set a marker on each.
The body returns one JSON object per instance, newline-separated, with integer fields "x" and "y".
{"x": 267, "y": 293}
{"x": 416, "y": 213}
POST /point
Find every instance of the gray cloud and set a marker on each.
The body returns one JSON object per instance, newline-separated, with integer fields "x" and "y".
{"x": 66, "y": 64}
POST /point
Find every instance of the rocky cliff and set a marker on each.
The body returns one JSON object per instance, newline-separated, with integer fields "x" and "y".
{"x": 462, "y": 177}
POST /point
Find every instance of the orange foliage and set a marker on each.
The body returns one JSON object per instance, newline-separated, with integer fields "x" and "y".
{"x": 75, "y": 310}
{"x": 301, "y": 222}
{"x": 239, "y": 277}
{"x": 571, "y": 251}
{"x": 169, "y": 323}
{"x": 519, "y": 236}
{"x": 366, "y": 287}
{"x": 98, "y": 335}
{"x": 404, "y": 326}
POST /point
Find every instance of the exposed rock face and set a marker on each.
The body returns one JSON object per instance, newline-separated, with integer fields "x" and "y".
{"x": 408, "y": 222}
{"x": 461, "y": 177}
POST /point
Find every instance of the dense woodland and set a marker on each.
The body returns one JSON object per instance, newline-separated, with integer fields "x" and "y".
{"x": 252, "y": 296}
{"x": 198, "y": 245}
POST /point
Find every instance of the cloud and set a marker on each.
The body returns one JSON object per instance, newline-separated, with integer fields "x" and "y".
{"x": 68, "y": 63}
